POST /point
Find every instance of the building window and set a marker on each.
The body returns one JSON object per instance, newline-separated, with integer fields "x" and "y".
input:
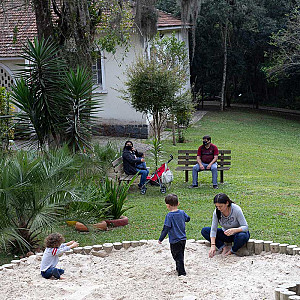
{"x": 97, "y": 70}
{"x": 6, "y": 79}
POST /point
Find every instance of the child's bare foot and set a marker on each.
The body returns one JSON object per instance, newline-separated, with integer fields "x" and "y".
{"x": 225, "y": 250}
{"x": 62, "y": 278}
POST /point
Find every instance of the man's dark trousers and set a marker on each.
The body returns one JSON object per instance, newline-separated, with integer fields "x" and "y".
{"x": 177, "y": 251}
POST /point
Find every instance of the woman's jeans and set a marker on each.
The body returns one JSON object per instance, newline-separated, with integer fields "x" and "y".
{"x": 143, "y": 171}
{"x": 52, "y": 272}
{"x": 239, "y": 239}
{"x": 214, "y": 172}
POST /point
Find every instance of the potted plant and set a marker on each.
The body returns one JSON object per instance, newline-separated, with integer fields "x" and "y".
{"x": 116, "y": 196}
{"x": 91, "y": 208}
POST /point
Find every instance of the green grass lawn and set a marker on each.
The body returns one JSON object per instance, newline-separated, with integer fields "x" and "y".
{"x": 263, "y": 180}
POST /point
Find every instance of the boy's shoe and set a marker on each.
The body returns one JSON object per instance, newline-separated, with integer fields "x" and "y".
{"x": 193, "y": 186}
{"x": 215, "y": 186}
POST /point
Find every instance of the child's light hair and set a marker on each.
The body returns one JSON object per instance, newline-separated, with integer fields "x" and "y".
{"x": 171, "y": 199}
{"x": 54, "y": 240}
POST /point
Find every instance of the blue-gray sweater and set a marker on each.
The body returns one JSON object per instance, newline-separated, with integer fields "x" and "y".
{"x": 235, "y": 219}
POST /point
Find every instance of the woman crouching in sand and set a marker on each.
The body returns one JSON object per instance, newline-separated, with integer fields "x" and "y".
{"x": 234, "y": 227}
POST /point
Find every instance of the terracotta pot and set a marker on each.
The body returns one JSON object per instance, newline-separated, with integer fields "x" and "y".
{"x": 118, "y": 222}
{"x": 81, "y": 227}
{"x": 101, "y": 225}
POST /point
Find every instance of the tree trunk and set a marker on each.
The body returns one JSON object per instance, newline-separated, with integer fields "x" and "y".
{"x": 75, "y": 35}
{"x": 173, "y": 130}
{"x": 224, "y": 68}
{"x": 43, "y": 18}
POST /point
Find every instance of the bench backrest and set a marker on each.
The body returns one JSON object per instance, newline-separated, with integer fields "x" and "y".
{"x": 118, "y": 165}
{"x": 189, "y": 157}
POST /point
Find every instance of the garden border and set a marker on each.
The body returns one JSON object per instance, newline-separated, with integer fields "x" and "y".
{"x": 283, "y": 291}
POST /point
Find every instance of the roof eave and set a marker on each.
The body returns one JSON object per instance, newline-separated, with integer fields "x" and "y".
{"x": 168, "y": 28}
{"x": 11, "y": 58}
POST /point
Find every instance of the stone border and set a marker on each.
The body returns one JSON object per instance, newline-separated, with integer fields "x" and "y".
{"x": 284, "y": 291}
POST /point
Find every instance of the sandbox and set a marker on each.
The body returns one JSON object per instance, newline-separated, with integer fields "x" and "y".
{"x": 146, "y": 270}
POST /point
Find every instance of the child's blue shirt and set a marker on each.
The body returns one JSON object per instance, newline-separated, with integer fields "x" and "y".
{"x": 174, "y": 226}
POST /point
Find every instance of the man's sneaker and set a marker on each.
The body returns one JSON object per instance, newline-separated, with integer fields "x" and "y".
{"x": 215, "y": 186}
{"x": 193, "y": 186}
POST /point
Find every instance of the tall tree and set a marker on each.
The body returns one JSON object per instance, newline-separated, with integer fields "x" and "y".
{"x": 285, "y": 58}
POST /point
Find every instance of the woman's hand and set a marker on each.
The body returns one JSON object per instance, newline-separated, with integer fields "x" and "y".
{"x": 212, "y": 251}
{"x": 231, "y": 231}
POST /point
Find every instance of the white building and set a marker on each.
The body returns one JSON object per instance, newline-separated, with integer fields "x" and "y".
{"x": 119, "y": 118}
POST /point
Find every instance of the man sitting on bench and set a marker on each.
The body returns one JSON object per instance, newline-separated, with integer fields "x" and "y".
{"x": 207, "y": 156}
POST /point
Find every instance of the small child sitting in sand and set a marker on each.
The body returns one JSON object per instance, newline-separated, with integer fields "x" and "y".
{"x": 174, "y": 226}
{"x": 54, "y": 247}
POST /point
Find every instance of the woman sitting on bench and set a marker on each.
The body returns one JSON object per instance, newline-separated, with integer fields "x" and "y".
{"x": 134, "y": 162}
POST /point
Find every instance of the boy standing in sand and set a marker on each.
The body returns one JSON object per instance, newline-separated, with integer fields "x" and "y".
{"x": 54, "y": 247}
{"x": 174, "y": 226}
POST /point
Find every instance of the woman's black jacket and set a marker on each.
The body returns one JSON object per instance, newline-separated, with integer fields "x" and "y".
{"x": 130, "y": 159}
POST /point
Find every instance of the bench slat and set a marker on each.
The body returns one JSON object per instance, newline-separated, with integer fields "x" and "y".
{"x": 185, "y": 168}
{"x": 119, "y": 168}
{"x": 118, "y": 161}
{"x": 195, "y": 157}
{"x": 195, "y": 151}
{"x": 125, "y": 177}
{"x": 193, "y": 162}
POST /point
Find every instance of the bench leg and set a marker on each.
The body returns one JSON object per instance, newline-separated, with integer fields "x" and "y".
{"x": 222, "y": 176}
{"x": 186, "y": 176}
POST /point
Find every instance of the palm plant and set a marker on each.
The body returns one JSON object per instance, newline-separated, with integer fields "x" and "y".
{"x": 116, "y": 196}
{"x": 91, "y": 207}
{"x": 80, "y": 106}
{"x": 56, "y": 105}
{"x": 156, "y": 151}
{"x": 33, "y": 194}
{"x": 38, "y": 89}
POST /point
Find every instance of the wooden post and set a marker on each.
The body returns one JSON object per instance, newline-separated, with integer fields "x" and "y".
{"x": 97, "y": 247}
{"x": 258, "y": 246}
{"x": 285, "y": 295}
{"x": 289, "y": 249}
{"x": 282, "y": 248}
{"x": 298, "y": 288}
{"x": 187, "y": 164}
{"x": 274, "y": 247}
{"x": 277, "y": 293}
{"x": 126, "y": 244}
{"x": 118, "y": 246}
{"x": 250, "y": 246}
{"x": 135, "y": 243}
{"x": 222, "y": 176}
{"x": 296, "y": 251}
{"x": 108, "y": 247}
{"x": 267, "y": 247}
{"x": 221, "y": 165}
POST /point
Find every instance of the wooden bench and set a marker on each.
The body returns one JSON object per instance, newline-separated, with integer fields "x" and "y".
{"x": 188, "y": 158}
{"x": 118, "y": 169}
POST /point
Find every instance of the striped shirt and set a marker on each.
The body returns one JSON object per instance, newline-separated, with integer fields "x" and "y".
{"x": 50, "y": 256}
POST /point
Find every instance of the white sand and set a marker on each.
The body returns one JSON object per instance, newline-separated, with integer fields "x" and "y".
{"x": 148, "y": 272}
